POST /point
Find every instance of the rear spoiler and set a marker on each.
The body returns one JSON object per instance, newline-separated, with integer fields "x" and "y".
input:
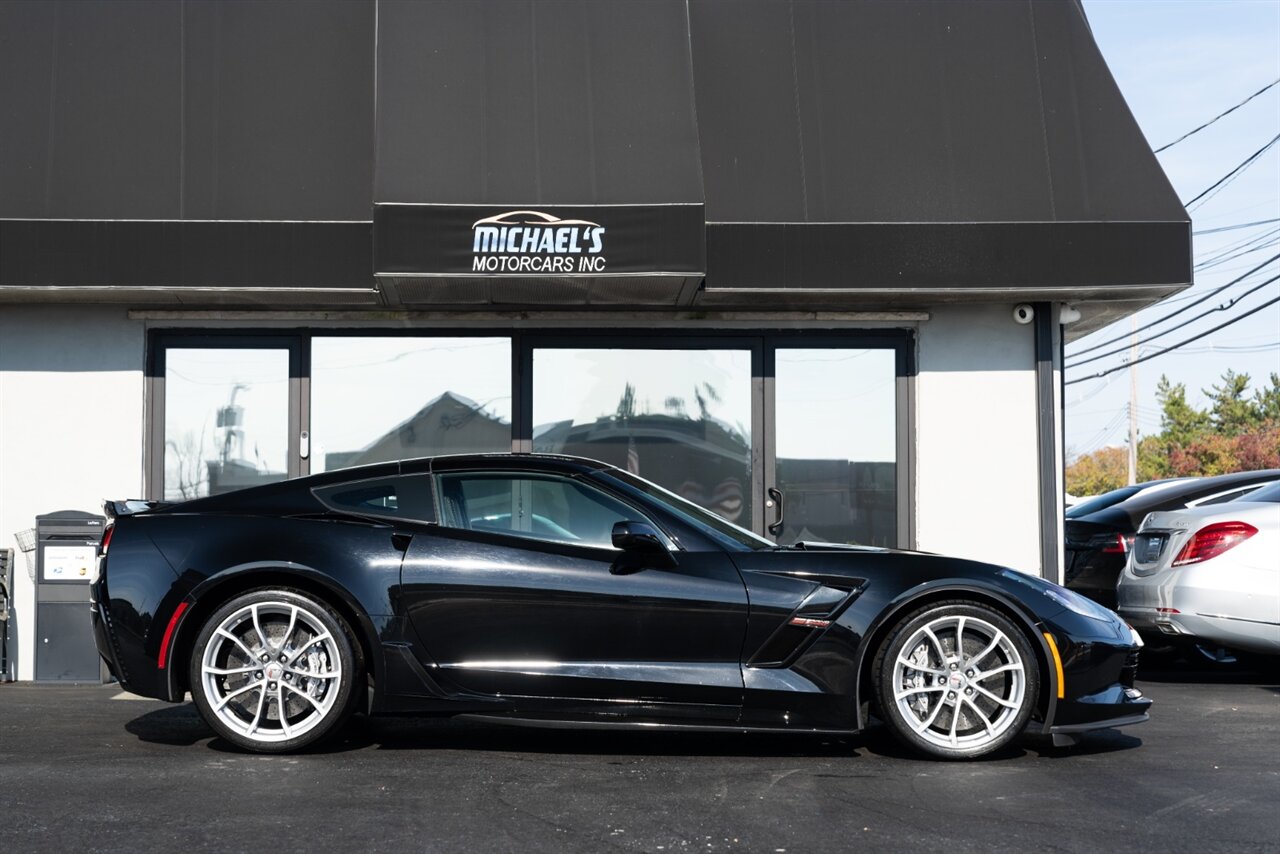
{"x": 129, "y": 507}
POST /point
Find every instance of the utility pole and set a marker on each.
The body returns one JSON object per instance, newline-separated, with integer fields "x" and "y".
{"x": 1133, "y": 399}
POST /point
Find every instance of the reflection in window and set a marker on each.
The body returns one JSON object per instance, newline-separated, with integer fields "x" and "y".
{"x": 836, "y": 445}
{"x": 401, "y": 497}
{"x": 393, "y": 398}
{"x": 226, "y": 420}
{"x": 540, "y": 507}
{"x": 681, "y": 418}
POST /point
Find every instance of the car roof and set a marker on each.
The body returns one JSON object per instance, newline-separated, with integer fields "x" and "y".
{"x": 294, "y": 495}
{"x": 1177, "y": 494}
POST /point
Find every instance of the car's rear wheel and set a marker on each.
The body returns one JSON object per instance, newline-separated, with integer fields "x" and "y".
{"x": 956, "y": 680}
{"x": 272, "y": 670}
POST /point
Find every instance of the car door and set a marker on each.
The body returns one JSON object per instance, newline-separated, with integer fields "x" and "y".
{"x": 518, "y": 591}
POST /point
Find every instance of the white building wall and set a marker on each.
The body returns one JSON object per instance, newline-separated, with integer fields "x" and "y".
{"x": 977, "y": 463}
{"x": 71, "y": 420}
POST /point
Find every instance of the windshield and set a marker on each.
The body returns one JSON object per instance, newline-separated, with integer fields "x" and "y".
{"x": 704, "y": 520}
{"x": 1103, "y": 501}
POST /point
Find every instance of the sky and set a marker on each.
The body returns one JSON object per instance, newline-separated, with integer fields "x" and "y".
{"x": 1179, "y": 63}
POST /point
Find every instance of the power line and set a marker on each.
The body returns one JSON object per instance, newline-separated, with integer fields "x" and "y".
{"x": 1173, "y": 314}
{"x": 1196, "y": 337}
{"x": 1239, "y": 252}
{"x": 1233, "y": 174}
{"x": 1238, "y": 243}
{"x": 1219, "y": 116}
{"x": 1227, "y": 348}
{"x": 1190, "y": 320}
{"x": 1234, "y": 227}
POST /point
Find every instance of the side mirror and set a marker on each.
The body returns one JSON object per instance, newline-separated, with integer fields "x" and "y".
{"x": 638, "y": 537}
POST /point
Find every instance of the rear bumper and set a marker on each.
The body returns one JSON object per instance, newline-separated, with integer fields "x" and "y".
{"x": 102, "y": 640}
{"x": 1222, "y": 630}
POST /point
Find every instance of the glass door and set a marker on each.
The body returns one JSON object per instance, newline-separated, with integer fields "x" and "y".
{"x": 833, "y": 444}
{"x": 796, "y": 437}
{"x": 675, "y": 411}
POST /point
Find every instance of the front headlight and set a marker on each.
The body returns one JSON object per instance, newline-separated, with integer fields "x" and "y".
{"x": 1078, "y": 604}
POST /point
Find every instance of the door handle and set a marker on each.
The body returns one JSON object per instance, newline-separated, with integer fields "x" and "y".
{"x": 775, "y": 501}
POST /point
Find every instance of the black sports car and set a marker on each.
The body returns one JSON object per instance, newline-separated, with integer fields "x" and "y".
{"x": 543, "y": 590}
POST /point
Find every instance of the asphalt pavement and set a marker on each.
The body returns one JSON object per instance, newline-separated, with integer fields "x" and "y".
{"x": 87, "y": 768}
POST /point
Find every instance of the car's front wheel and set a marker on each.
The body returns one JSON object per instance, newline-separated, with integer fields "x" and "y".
{"x": 956, "y": 680}
{"x": 273, "y": 670}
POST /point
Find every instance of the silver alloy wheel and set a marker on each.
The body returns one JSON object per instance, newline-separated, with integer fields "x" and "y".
{"x": 271, "y": 671}
{"x": 959, "y": 682}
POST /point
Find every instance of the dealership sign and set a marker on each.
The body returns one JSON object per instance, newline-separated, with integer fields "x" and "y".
{"x": 538, "y": 240}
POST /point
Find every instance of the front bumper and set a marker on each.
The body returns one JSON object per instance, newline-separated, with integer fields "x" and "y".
{"x": 1069, "y": 734}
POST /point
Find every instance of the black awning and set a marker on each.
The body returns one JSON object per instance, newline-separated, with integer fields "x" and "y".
{"x": 577, "y": 151}
{"x": 897, "y": 144}
{"x": 186, "y": 145}
{"x": 310, "y": 256}
{"x": 536, "y": 115}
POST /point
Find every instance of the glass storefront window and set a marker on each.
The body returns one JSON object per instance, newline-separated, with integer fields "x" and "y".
{"x": 837, "y": 445}
{"x": 721, "y": 422}
{"x": 679, "y": 417}
{"x": 226, "y": 420}
{"x": 389, "y": 398}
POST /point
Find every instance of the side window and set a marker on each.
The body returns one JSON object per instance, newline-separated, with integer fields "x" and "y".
{"x": 543, "y": 507}
{"x": 395, "y": 497}
{"x": 1225, "y": 497}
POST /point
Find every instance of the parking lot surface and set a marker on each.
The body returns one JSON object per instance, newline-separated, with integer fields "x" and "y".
{"x": 89, "y": 768}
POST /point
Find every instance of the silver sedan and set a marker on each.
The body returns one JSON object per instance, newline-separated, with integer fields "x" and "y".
{"x": 1208, "y": 575}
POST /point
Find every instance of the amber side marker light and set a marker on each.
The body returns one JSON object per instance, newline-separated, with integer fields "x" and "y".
{"x": 168, "y": 634}
{"x": 1057, "y": 663}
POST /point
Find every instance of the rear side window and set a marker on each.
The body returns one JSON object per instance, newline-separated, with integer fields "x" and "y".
{"x": 542, "y": 507}
{"x": 1268, "y": 494}
{"x": 1238, "y": 494}
{"x": 394, "y": 497}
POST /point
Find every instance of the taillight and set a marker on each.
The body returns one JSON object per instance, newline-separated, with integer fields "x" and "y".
{"x": 1213, "y": 540}
{"x": 1112, "y": 544}
{"x": 106, "y": 538}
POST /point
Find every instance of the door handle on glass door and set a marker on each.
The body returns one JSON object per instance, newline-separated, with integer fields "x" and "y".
{"x": 775, "y": 501}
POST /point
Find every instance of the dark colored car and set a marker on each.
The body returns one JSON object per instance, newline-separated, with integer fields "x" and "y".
{"x": 544, "y": 590}
{"x": 1100, "y": 531}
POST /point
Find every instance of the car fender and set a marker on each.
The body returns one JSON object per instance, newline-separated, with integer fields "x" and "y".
{"x": 946, "y": 587}
{"x": 214, "y": 589}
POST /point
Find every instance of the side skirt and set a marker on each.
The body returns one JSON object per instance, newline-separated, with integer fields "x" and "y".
{"x": 550, "y": 723}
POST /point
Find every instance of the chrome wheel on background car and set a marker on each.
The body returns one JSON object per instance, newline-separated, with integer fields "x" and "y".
{"x": 273, "y": 670}
{"x": 957, "y": 680}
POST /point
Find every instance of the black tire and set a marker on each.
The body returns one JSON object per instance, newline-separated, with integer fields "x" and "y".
{"x": 956, "y": 700}
{"x": 270, "y": 649}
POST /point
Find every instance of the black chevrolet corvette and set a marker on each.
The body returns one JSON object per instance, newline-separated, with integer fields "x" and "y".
{"x": 554, "y": 591}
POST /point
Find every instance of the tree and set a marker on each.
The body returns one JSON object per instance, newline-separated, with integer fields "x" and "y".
{"x": 1101, "y": 471}
{"x": 1180, "y": 422}
{"x": 1232, "y": 413}
{"x": 1238, "y": 432}
{"x": 1267, "y": 401}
